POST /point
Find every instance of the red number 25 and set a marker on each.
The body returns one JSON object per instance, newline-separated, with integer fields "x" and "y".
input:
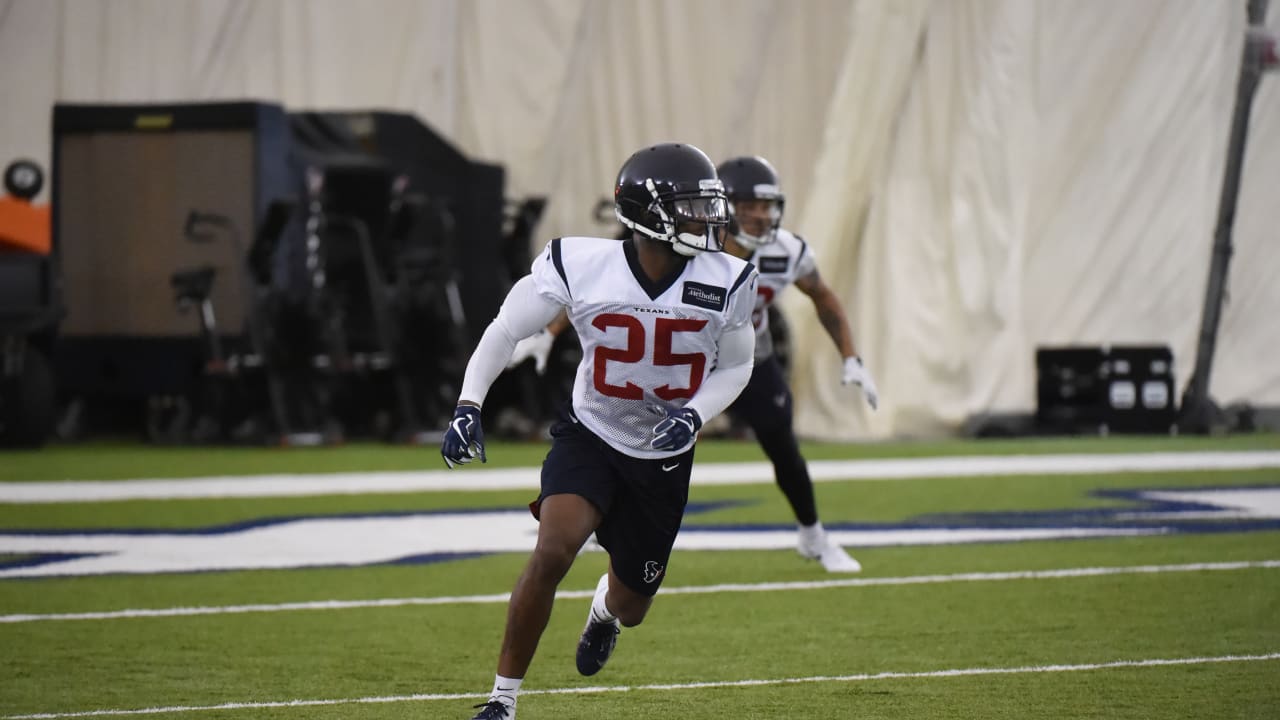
{"x": 634, "y": 352}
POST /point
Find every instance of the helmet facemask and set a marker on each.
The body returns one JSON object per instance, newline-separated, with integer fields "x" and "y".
{"x": 670, "y": 214}
{"x": 770, "y": 194}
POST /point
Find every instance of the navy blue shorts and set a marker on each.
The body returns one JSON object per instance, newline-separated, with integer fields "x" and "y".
{"x": 642, "y": 500}
{"x": 765, "y": 403}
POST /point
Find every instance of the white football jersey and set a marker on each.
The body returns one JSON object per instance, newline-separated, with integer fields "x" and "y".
{"x": 779, "y": 263}
{"x": 646, "y": 346}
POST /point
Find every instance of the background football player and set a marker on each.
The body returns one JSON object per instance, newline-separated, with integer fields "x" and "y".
{"x": 756, "y": 203}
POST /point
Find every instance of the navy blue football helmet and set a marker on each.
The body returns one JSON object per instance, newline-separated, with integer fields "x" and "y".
{"x": 752, "y": 178}
{"x": 663, "y": 187}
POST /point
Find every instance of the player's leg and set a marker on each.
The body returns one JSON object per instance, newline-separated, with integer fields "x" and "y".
{"x": 765, "y": 405}
{"x": 566, "y": 522}
{"x": 767, "y": 409}
{"x": 576, "y": 483}
{"x": 629, "y": 606}
{"x": 613, "y": 607}
{"x": 639, "y": 543}
{"x": 792, "y": 474}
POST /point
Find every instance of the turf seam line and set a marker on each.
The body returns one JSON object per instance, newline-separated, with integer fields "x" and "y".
{"x": 138, "y": 613}
{"x": 862, "y": 677}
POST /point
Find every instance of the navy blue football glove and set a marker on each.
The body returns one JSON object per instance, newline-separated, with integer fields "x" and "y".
{"x": 676, "y": 430}
{"x": 464, "y": 438}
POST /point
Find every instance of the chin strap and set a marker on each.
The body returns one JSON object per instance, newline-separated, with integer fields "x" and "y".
{"x": 693, "y": 246}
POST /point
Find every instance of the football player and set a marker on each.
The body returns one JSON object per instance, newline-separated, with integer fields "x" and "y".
{"x": 664, "y": 320}
{"x": 756, "y": 203}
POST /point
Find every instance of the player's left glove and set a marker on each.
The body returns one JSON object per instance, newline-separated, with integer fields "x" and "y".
{"x": 676, "y": 430}
{"x": 464, "y": 438}
{"x": 856, "y": 374}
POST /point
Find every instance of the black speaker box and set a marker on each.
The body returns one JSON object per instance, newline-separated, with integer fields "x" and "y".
{"x": 1115, "y": 388}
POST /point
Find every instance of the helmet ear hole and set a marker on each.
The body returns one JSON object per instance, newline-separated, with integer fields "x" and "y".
{"x": 652, "y": 218}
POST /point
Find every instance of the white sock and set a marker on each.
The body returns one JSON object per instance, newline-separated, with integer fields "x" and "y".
{"x": 505, "y": 689}
{"x": 599, "y": 612}
{"x": 812, "y": 534}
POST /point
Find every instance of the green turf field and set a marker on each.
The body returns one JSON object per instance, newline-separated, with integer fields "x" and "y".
{"x": 1182, "y": 622}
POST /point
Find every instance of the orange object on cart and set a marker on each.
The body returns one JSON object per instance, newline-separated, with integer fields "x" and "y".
{"x": 24, "y": 226}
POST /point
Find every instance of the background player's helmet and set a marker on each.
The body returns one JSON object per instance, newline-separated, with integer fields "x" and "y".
{"x": 752, "y": 178}
{"x": 662, "y": 186}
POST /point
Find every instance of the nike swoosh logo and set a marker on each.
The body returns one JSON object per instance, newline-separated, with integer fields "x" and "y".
{"x": 457, "y": 427}
{"x": 669, "y": 469}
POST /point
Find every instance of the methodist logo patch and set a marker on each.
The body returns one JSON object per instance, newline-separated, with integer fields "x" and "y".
{"x": 772, "y": 265}
{"x": 704, "y": 296}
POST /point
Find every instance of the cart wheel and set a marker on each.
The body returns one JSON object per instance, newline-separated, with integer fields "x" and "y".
{"x": 28, "y": 409}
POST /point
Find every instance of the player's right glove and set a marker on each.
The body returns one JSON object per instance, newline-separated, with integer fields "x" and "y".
{"x": 676, "y": 430}
{"x": 857, "y": 374}
{"x": 536, "y": 346}
{"x": 464, "y": 438}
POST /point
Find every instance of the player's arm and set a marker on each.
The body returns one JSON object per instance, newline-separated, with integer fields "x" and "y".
{"x": 735, "y": 357}
{"x": 523, "y": 313}
{"x": 831, "y": 315}
{"x": 830, "y": 312}
{"x": 735, "y": 351}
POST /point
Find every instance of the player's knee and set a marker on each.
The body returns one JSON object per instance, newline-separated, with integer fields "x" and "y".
{"x": 773, "y": 431}
{"x": 781, "y": 447}
{"x": 551, "y": 560}
{"x": 776, "y": 430}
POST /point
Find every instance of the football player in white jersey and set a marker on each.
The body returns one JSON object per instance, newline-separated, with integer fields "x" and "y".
{"x": 664, "y": 320}
{"x": 756, "y": 203}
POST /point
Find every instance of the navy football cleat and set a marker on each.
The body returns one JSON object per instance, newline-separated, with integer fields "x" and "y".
{"x": 494, "y": 710}
{"x": 596, "y": 645}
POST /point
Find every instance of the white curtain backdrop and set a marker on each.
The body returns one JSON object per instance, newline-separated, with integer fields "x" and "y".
{"x": 978, "y": 177}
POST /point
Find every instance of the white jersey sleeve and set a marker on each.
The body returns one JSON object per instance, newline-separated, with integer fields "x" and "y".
{"x": 806, "y": 263}
{"x": 732, "y": 372}
{"x": 549, "y": 278}
{"x": 523, "y": 313}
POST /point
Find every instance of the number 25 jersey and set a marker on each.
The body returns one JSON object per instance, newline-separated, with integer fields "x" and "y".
{"x": 647, "y": 345}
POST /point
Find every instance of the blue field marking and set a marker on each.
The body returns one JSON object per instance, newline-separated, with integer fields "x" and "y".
{"x": 370, "y": 539}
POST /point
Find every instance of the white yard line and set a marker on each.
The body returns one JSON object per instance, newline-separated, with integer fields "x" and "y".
{"x": 363, "y": 483}
{"x": 690, "y": 590}
{"x": 861, "y": 677}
